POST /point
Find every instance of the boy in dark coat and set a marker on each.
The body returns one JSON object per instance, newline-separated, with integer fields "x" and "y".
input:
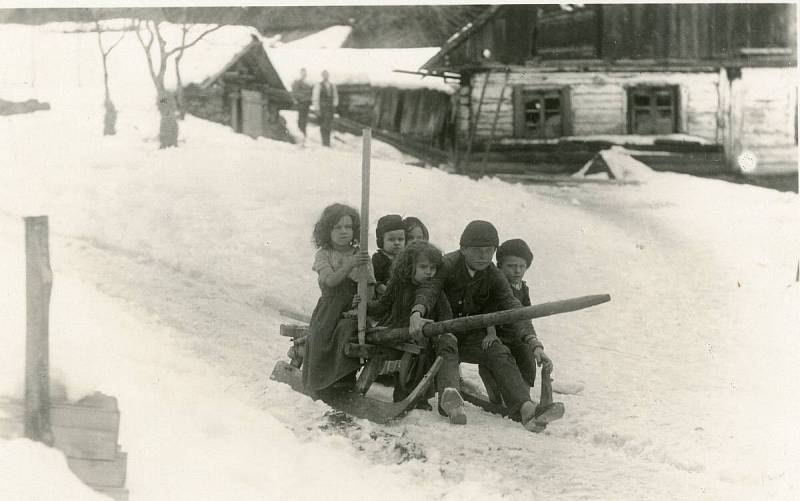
{"x": 514, "y": 257}
{"x": 390, "y": 238}
{"x": 474, "y": 285}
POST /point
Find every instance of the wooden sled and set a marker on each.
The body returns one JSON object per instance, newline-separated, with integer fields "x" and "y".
{"x": 353, "y": 402}
{"x": 383, "y": 345}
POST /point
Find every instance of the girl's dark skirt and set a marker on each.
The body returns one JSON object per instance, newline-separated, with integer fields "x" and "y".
{"x": 325, "y": 361}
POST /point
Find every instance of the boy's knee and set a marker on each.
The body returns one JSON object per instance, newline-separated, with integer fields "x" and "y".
{"x": 499, "y": 349}
{"x": 446, "y": 343}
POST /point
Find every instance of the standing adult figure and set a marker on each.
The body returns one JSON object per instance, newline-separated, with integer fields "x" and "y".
{"x": 301, "y": 93}
{"x": 325, "y": 99}
{"x": 474, "y": 285}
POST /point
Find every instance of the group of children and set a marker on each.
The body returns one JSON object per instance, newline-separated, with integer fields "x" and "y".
{"x": 403, "y": 261}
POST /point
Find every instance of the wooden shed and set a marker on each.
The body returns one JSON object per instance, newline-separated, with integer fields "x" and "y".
{"x": 245, "y": 93}
{"x": 543, "y": 87}
{"x": 372, "y": 93}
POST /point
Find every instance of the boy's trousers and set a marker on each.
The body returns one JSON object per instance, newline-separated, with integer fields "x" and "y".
{"x": 467, "y": 348}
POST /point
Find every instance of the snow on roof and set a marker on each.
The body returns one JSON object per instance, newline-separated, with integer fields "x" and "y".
{"x": 358, "y": 66}
{"x": 203, "y": 60}
{"x": 329, "y": 38}
{"x": 212, "y": 53}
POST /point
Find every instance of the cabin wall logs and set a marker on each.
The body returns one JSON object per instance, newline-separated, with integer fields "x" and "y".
{"x": 754, "y": 111}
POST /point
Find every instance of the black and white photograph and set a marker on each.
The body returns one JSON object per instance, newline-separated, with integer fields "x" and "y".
{"x": 399, "y": 251}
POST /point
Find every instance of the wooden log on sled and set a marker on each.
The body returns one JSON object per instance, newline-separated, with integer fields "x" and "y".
{"x": 478, "y": 322}
{"x": 383, "y": 344}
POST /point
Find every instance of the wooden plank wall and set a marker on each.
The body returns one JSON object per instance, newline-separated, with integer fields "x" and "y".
{"x": 767, "y": 118}
{"x": 598, "y": 100}
{"x": 420, "y": 114}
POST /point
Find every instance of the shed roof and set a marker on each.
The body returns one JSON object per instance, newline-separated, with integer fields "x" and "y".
{"x": 375, "y": 67}
{"x": 457, "y": 38}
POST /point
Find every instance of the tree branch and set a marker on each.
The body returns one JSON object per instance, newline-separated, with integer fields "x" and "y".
{"x": 185, "y": 46}
{"x": 146, "y": 47}
{"x": 116, "y": 43}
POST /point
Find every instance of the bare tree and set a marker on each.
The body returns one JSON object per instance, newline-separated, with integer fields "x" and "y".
{"x": 110, "y": 117}
{"x": 185, "y": 29}
{"x": 168, "y": 127}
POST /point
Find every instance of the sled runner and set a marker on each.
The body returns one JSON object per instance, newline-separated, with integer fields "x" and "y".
{"x": 392, "y": 350}
{"x": 547, "y": 411}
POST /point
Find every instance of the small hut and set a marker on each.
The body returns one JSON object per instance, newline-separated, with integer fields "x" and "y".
{"x": 232, "y": 81}
{"x": 379, "y": 88}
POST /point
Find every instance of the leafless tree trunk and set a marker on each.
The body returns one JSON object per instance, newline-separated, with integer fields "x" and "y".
{"x": 179, "y": 82}
{"x": 110, "y": 117}
{"x": 168, "y": 128}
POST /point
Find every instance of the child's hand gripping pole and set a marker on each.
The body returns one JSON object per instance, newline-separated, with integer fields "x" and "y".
{"x": 364, "y": 235}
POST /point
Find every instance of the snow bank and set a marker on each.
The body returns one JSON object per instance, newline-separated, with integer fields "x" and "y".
{"x": 30, "y": 470}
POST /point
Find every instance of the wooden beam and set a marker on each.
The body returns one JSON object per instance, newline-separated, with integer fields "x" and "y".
{"x": 363, "y": 240}
{"x": 39, "y": 283}
{"x": 479, "y": 322}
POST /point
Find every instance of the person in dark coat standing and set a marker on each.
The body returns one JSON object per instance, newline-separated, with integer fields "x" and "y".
{"x": 474, "y": 285}
{"x": 325, "y": 99}
{"x": 301, "y": 93}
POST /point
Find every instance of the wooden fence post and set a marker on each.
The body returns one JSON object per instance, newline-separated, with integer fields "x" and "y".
{"x": 39, "y": 283}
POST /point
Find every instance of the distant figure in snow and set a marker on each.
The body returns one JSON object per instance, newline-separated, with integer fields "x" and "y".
{"x": 415, "y": 230}
{"x": 514, "y": 257}
{"x": 390, "y": 238}
{"x": 337, "y": 263}
{"x": 301, "y": 93}
{"x": 324, "y": 100}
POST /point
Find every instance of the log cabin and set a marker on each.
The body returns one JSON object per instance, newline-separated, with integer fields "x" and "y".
{"x": 244, "y": 91}
{"x": 712, "y": 87}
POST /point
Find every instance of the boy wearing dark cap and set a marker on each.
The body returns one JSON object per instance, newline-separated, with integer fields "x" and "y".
{"x": 390, "y": 236}
{"x": 474, "y": 285}
{"x": 514, "y": 257}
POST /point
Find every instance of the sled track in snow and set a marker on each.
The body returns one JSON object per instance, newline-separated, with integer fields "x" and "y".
{"x": 225, "y": 325}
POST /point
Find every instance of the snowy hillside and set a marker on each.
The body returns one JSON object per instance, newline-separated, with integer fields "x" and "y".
{"x": 171, "y": 266}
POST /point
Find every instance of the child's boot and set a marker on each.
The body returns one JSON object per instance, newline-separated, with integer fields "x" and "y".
{"x": 528, "y": 417}
{"x": 453, "y": 405}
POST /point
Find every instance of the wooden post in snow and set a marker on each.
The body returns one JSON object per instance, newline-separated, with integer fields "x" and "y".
{"x": 363, "y": 238}
{"x": 39, "y": 283}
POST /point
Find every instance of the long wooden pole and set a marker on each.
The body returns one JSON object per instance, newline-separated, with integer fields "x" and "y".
{"x": 494, "y": 124}
{"x": 39, "y": 283}
{"x": 474, "y": 322}
{"x": 364, "y": 234}
{"x": 474, "y": 130}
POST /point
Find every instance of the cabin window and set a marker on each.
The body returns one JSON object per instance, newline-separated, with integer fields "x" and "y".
{"x": 653, "y": 110}
{"x": 539, "y": 113}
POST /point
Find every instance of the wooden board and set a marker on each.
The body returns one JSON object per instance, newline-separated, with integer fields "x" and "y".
{"x": 352, "y": 402}
{"x": 100, "y": 473}
{"x": 87, "y": 430}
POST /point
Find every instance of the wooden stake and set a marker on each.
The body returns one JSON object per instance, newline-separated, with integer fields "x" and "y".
{"x": 39, "y": 283}
{"x": 363, "y": 240}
